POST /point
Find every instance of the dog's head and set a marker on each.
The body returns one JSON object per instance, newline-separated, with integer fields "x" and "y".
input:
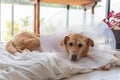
{"x": 76, "y": 45}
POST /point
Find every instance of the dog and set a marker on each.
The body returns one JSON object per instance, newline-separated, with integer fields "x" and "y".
{"x": 76, "y": 45}
{"x": 24, "y": 40}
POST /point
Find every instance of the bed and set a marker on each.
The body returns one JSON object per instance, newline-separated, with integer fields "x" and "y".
{"x": 52, "y": 64}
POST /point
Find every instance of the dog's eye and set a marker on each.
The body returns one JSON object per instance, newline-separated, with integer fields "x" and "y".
{"x": 80, "y": 45}
{"x": 70, "y": 44}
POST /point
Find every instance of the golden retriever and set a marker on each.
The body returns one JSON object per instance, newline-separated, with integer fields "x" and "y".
{"x": 76, "y": 45}
{"x": 24, "y": 40}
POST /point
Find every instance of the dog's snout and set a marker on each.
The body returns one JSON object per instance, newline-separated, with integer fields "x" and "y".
{"x": 74, "y": 51}
{"x": 74, "y": 57}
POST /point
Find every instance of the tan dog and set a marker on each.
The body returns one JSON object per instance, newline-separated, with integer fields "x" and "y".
{"x": 76, "y": 45}
{"x": 24, "y": 40}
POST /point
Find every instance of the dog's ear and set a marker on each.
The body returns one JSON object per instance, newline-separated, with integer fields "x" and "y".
{"x": 63, "y": 42}
{"x": 90, "y": 42}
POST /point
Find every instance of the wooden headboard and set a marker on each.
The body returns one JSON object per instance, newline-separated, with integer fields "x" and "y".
{"x": 66, "y": 2}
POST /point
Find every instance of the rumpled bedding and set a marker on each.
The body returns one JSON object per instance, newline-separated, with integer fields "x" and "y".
{"x": 51, "y": 65}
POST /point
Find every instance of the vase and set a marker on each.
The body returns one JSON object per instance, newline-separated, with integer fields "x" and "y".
{"x": 117, "y": 38}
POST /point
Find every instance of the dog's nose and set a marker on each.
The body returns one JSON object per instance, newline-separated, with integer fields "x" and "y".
{"x": 74, "y": 57}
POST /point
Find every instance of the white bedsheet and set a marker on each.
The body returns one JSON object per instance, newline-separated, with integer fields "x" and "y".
{"x": 49, "y": 65}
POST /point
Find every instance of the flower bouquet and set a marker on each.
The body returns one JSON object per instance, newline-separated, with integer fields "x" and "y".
{"x": 113, "y": 20}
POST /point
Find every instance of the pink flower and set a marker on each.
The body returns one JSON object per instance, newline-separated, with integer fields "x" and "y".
{"x": 111, "y": 14}
{"x": 117, "y": 15}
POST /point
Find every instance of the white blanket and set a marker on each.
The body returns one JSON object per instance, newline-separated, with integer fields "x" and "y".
{"x": 49, "y": 65}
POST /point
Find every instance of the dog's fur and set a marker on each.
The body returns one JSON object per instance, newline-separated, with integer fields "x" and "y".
{"x": 76, "y": 45}
{"x": 24, "y": 40}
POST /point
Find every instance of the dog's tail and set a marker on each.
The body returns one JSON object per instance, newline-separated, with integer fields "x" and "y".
{"x": 10, "y": 47}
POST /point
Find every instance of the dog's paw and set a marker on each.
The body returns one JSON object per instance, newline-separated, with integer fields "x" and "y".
{"x": 106, "y": 67}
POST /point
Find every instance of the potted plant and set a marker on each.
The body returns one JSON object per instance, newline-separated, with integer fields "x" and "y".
{"x": 113, "y": 21}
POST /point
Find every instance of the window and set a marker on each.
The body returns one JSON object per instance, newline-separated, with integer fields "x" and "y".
{"x": 115, "y": 5}
{"x": 16, "y": 16}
